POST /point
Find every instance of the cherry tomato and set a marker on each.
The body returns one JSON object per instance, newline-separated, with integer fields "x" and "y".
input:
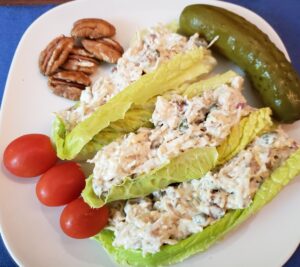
{"x": 61, "y": 184}
{"x": 29, "y": 155}
{"x": 78, "y": 220}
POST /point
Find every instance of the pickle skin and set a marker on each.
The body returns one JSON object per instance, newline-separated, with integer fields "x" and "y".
{"x": 243, "y": 43}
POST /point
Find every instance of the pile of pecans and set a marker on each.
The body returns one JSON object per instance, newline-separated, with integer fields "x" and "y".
{"x": 68, "y": 61}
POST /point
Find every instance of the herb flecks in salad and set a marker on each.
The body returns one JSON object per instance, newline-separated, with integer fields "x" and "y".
{"x": 180, "y": 124}
{"x": 178, "y": 211}
{"x": 199, "y": 166}
{"x": 201, "y": 241}
{"x": 150, "y": 49}
{"x": 181, "y": 69}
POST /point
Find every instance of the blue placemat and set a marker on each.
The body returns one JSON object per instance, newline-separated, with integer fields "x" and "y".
{"x": 282, "y": 15}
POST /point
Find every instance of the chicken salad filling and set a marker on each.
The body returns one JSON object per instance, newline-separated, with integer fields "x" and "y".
{"x": 178, "y": 211}
{"x": 180, "y": 124}
{"x": 150, "y": 49}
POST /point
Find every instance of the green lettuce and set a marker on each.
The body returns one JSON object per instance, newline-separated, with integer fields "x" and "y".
{"x": 139, "y": 116}
{"x": 135, "y": 118}
{"x": 171, "y": 254}
{"x": 193, "y": 163}
{"x": 169, "y": 76}
{"x": 194, "y": 89}
{"x": 189, "y": 165}
{"x": 257, "y": 123}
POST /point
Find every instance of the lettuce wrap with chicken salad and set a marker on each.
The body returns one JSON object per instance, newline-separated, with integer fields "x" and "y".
{"x": 281, "y": 173}
{"x": 190, "y": 164}
{"x": 205, "y": 159}
{"x": 95, "y": 121}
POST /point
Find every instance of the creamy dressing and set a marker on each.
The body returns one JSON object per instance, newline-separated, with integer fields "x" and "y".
{"x": 180, "y": 124}
{"x": 172, "y": 214}
{"x": 150, "y": 49}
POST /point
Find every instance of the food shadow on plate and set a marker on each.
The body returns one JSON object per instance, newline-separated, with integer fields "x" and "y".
{"x": 216, "y": 250}
{"x": 86, "y": 251}
{"x": 18, "y": 180}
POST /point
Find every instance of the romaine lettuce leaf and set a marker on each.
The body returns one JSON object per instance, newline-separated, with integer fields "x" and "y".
{"x": 169, "y": 76}
{"x": 135, "y": 118}
{"x": 194, "y": 89}
{"x": 257, "y": 123}
{"x": 171, "y": 254}
{"x": 139, "y": 116}
{"x": 190, "y": 165}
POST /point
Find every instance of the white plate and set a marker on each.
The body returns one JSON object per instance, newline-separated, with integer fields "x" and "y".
{"x": 31, "y": 231}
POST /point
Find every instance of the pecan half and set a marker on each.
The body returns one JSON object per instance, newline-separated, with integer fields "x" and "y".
{"x": 55, "y": 54}
{"x": 92, "y": 28}
{"x": 69, "y": 84}
{"x": 81, "y": 52}
{"x": 112, "y": 43}
{"x": 108, "y": 51}
{"x": 80, "y": 63}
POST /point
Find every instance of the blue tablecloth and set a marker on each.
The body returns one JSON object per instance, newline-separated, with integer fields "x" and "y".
{"x": 282, "y": 15}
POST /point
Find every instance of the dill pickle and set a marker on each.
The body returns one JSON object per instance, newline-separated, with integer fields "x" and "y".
{"x": 243, "y": 43}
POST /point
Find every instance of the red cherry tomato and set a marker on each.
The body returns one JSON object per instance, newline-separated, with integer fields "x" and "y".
{"x": 29, "y": 155}
{"x": 61, "y": 184}
{"x": 78, "y": 220}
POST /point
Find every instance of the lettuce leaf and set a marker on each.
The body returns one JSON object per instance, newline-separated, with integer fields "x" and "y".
{"x": 170, "y": 75}
{"x": 190, "y": 165}
{"x": 193, "y": 89}
{"x": 171, "y": 254}
{"x": 135, "y": 118}
{"x": 139, "y": 116}
{"x": 257, "y": 123}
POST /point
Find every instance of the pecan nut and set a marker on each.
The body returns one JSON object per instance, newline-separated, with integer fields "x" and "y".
{"x": 81, "y": 52}
{"x": 92, "y": 28}
{"x": 113, "y": 43}
{"x": 55, "y": 54}
{"x": 108, "y": 51}
{"x": 69, "y": 84}
{"x": 80, "y": 63}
